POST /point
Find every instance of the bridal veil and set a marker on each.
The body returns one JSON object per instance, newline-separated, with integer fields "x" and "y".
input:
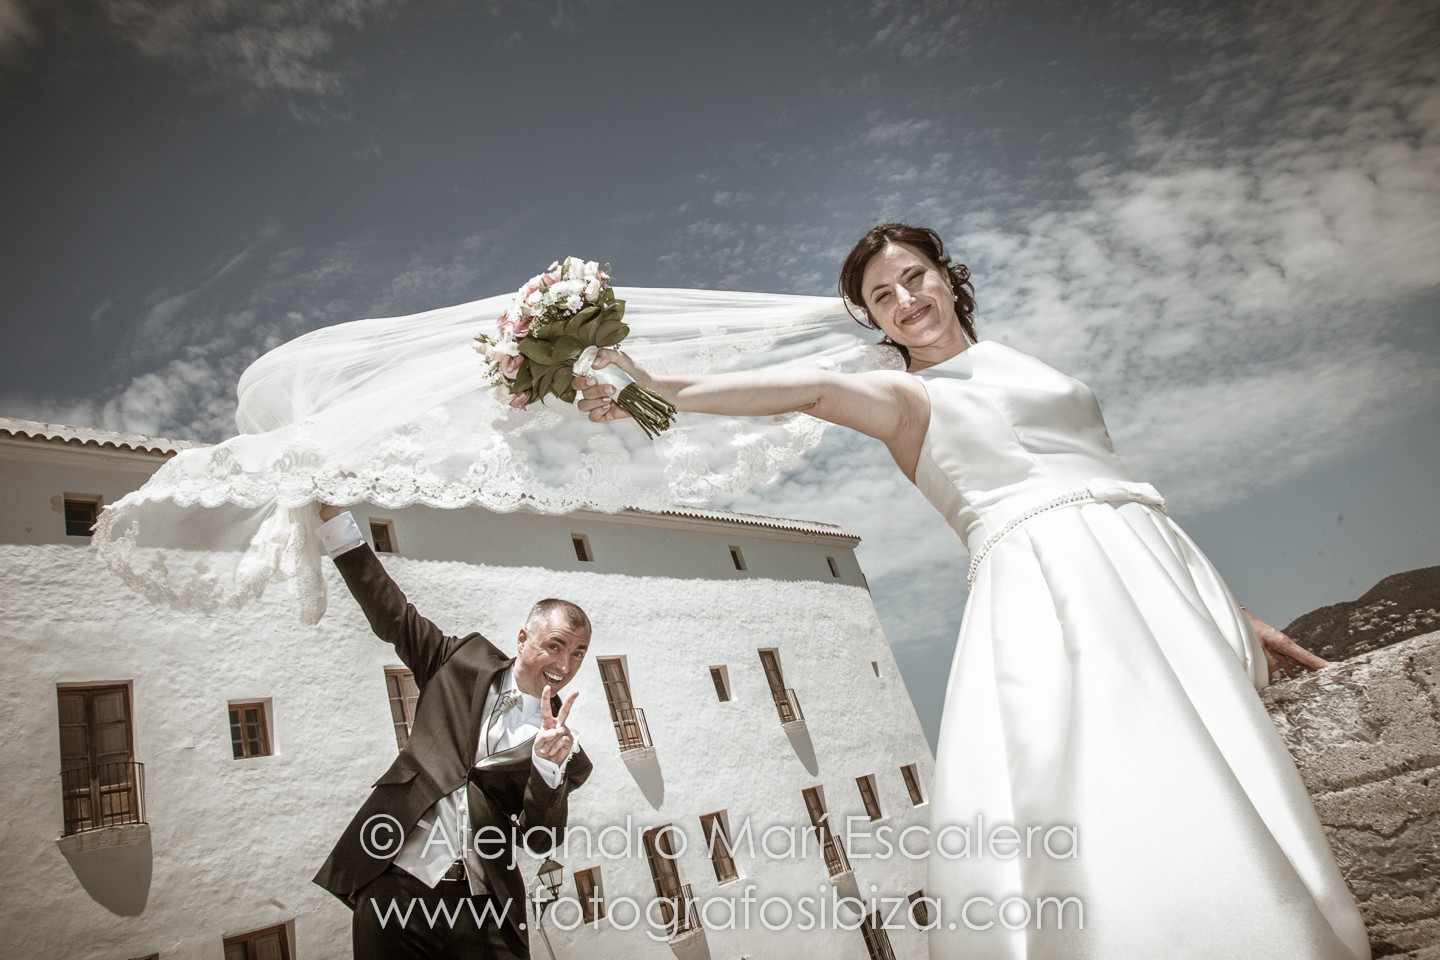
{"x": 399, "y": 411}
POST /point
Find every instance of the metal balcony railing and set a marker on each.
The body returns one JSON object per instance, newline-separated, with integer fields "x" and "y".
{"x": 677, "y": 907}
{"x": 630, "y": 728}
{"x": 787, "y": 704}
{"x": 103, "y": 795}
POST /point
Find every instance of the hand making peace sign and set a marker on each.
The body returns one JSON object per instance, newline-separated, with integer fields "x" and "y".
{"x": 554, "y": 740}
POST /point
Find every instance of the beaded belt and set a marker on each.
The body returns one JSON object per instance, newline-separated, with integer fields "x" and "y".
{"x": 1099, "y": 490}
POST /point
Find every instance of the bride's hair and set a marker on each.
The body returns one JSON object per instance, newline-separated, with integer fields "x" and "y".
{"x": 928, "y": 243}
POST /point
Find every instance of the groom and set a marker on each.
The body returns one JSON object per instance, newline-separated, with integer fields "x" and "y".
{"x": 489, "y": 762}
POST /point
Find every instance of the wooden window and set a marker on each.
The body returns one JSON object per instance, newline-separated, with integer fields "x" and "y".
{"x": 590, "y": 894}
{"x": 582, "y": 547}
{"x": 815, "y": 807}
{"x": 737, "y": 558}
{"x": 774, "y": 677}
{"x": 868, "y": 796}
{"x": 786, "y": 703}
{"x": 272, "y": 943}
{"x": 912, "y": 783}
{"x": 617, "y": 685}
{"x": 80, "y": 516}
{"x": 722, "y": 683}
{"x": 630, "y": 727}
{"x": 919, "y": 909}
{"x": 665, "y": 872}
{"x": 400, "y": 686}
{"x": 382, "y": 534}
{"x": 100, "y": 781}
{"x": 877, "y": 941}
{"x": 717, "y": 841}
{"x": 836, "y": 862}
{"x": 834, "y": 569}
{"x": 249, "y": 733}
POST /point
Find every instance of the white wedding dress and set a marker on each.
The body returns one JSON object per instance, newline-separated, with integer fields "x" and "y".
{"x": 1104, "y": 680}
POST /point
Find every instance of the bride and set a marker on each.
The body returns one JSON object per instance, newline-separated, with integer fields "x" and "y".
{"x": 1104, "y": 676}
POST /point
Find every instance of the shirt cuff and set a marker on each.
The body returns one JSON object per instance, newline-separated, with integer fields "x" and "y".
{"x": 550, "y": 771}
{"x": 340, "y": 534}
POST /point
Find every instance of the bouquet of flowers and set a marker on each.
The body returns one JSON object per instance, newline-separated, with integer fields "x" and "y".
{"x": 551, "y": 332}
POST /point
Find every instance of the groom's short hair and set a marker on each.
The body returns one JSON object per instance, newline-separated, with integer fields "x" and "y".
{"x": 574, "y": 616}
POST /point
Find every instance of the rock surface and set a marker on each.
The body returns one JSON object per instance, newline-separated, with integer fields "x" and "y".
{"x": 1365, "y": 735}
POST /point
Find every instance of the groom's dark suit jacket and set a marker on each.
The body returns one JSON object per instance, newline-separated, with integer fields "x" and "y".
{"x": 454, "y": 675}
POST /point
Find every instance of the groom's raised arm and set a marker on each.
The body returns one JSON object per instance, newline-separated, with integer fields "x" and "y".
{"x": 422, "y": 646}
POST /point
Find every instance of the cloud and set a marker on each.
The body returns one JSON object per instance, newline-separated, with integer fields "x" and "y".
{"x": 1243, "y": 269}
{"x": 747, "y": 255}
{"x": 569, "y": 15}
{"x": 176, "y": 373}
{"x": 17, "y": 28}
{"x": 904, "y": 132}
{"x": 918, "y": 30}
{"x": 277, "y": 51}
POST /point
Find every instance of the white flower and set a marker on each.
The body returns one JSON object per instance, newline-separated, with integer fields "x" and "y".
{"x": 592, "y": 290}
{"x": 573, "y": 303}
{"x": 567, "y": 288}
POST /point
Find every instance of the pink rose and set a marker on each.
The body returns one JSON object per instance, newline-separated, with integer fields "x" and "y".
{"x": 510, "y": 366}
{"x": 521, "y": 327}
{"x": 550, "y": 279}
{"x": 520, "y": 400}
{"x": 504, "y": 323}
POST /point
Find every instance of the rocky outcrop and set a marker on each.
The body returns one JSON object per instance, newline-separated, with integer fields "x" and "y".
{"x": 1366, "y": 736}
{"x": 1401, "y": 606}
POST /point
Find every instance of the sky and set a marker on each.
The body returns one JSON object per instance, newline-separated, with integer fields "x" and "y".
{"x": 1223, "y": 217}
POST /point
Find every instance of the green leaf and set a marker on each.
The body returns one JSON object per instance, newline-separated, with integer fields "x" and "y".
{"x": 582, "y": 316}
{"x": 566, "y": 349}
{"x": 539, "y": 351}
{"x": 546, "y": 380}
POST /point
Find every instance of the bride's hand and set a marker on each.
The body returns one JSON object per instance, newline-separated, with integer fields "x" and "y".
{"x": 1281, "y": 653}
{"x": 595, "y": 397}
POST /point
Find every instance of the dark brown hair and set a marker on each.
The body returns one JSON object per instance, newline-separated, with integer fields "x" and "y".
{"x": 927, "y": 242}
{"x": 540, "y": 613}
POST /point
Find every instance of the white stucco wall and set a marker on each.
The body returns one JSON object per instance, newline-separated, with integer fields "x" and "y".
{"x": 233, "y": 843}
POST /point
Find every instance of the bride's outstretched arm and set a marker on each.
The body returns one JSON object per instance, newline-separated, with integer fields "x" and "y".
{"x": 888, "y": 405}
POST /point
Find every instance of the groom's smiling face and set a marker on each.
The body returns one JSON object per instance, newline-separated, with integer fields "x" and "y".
{"x": 549, "y": 653}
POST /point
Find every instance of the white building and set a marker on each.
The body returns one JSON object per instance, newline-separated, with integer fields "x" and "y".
{"x": 741, "y": 678}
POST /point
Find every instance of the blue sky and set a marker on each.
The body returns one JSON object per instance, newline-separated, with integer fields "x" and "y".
{"x": 1224, "y": 217}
